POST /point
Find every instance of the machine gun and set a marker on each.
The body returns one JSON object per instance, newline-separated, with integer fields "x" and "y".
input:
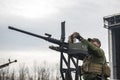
{"x": 75, "y": 52}
{"x": 7, "y": 64}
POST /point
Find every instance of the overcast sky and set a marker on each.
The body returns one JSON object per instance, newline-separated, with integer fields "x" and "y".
{"x": 41, "y": 16}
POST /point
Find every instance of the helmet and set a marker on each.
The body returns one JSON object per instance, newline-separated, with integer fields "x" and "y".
{"x": 94, "y": 39}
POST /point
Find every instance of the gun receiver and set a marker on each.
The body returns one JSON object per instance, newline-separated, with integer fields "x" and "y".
{"x": 49, "y": 39}
{"x": 7, "y": 64}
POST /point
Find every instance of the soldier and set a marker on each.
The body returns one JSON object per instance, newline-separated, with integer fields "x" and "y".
{"x": 92, "y": 67}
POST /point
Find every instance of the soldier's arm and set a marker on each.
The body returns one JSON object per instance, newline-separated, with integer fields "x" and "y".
{"x": 96, "y": 51}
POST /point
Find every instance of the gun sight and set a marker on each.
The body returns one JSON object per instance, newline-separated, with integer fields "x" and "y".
{"x": 49, "y": 35}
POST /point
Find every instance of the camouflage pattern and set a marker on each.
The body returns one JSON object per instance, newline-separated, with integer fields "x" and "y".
{"x": 98, "y": 57}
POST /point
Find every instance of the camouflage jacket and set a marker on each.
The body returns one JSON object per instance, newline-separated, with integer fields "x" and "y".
{"x": 97, "y": 54}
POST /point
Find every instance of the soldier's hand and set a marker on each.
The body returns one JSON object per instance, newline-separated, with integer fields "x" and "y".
{"x": 70, "y": 39}
{"x": 77, "y": 36}
{"x": 73, "y": 36}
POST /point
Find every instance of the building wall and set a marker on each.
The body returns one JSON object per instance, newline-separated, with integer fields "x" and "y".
{"x": 114, "y": 42}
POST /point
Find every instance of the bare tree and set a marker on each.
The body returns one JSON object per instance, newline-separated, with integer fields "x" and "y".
{"x": 12, "y": 77}
{"x": 22, "y": 72}
{"x": 29, "y": 76}
{"x": 43, "y": 72}
{"x": 4, "y": 74}
{"x": 57, "y": 72}
{"x": 0, "y": 75}
{"x": 7, "y": 73}
{"x": 37, "y": 72}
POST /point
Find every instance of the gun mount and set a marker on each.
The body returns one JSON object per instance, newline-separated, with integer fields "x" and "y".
{"x": 7, "y": 64}
{"x": 74, "y": 51}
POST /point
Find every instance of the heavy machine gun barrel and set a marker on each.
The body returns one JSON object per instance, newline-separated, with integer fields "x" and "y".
{"x": 7, "y": 64}
{"x": 48, "y": 38}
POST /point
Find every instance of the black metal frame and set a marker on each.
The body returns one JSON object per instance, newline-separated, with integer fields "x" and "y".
{"x": 67, "y": 73}
{"x": 71, "y": 70}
